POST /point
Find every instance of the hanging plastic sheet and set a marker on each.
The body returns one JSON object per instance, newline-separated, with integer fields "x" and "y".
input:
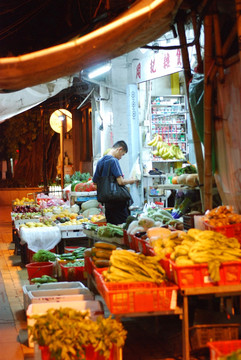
{"x": 196, "y": 100}
{"x": 196, "y": 95}
{"x": 228, "y": 135}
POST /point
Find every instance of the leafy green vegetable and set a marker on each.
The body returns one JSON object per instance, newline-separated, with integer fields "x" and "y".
{"x": 78, "y": 176}
{"x": 44, "y": 255}
{"x": 190, "y": 169}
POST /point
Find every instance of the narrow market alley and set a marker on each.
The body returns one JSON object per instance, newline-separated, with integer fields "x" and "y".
{"x": 149, "y": 338}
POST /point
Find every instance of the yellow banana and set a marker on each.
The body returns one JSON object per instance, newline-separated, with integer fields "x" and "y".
{"x": 183, "y": 260}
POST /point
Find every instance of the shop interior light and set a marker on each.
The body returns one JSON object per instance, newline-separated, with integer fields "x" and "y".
{"x": 101, "y": 70}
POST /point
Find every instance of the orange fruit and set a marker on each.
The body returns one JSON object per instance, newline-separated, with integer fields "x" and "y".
{"x": 174, "y": 180}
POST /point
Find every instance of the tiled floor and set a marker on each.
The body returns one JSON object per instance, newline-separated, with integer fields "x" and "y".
{"x": 13, "y": 327}
{"x": 148, "y": 338}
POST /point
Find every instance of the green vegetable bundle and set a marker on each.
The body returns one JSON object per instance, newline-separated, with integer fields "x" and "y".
{"x": 44, "y": 255}
{"x": 110, "y": 230}
{"x": 44, "y": 279}
{"x": 76, "y": 254}
{"x": 75, "y": 264}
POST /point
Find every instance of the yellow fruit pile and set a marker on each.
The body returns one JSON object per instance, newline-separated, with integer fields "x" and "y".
{"x": 97, "y": 218}
{"x": 164, "y": 150}
{"x": 34, "y": 225}
{"x": 127, "y": 266}
{"x": 198, "y": 247}
{"x": 23, "y": 201}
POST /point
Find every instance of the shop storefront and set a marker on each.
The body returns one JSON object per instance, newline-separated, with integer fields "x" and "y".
{"x": 144, "y": 94}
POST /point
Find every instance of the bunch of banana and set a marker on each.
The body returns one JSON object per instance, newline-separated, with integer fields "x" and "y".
{"x": 165, "y": 245}
{"x": 206, "y": 246}
{"x": 154, "y": 140}
{"x": 164, "y": 150}
{"x": 127, "y": 266}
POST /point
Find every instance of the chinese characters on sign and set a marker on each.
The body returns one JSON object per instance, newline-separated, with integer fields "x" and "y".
{"x": 152, "y": 66}
{"x": 138, "y": 71}
{"x": 159, "y": 64}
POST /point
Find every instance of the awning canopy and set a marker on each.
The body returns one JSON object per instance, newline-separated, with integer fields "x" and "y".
{"x": 142, "y": 23}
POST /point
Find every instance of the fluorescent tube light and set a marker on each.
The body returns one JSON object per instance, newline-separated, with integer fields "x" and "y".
{"x": 101, "y": 70}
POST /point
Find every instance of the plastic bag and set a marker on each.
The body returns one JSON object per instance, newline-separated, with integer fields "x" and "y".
{"x": 42, "y": 238}
{"x": 136, "y": 170}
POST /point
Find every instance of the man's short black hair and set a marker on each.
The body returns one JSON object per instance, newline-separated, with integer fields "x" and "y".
{"x": 121, "y": 143}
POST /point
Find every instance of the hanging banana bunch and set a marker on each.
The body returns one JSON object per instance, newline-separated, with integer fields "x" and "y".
{"x": 164, "y": 150}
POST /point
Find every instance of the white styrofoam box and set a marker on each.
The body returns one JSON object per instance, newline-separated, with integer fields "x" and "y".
{"x": 49, "y": 286}
{"x": 65, "y": 234}
{"x": 94, "y": 307}
{"x": 59, "y": 295}
{"x": 71, "y": 231}
{"x": 70, "y": 227}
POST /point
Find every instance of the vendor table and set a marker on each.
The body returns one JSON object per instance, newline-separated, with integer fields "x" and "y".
{"x": 225, "y": 290}
{"x": 72, "y": 235}
{"x": 182, "y": 310}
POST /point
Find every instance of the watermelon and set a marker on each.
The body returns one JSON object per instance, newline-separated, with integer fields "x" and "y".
{"x": 74, "y": 183}
{"x": 80, "y": 187}
{"x": 85, "y": 186}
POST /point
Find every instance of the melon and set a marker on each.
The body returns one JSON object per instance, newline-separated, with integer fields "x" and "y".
{"x": 89, "y": 204}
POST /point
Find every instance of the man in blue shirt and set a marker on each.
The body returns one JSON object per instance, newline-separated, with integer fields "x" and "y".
{"x": 115, "y": 212}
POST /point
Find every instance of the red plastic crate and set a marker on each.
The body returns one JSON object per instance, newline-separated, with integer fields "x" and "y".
{"x": 136, "y": 297}
{"x": 100, "y": 223}
{"x": 149, "y": 250}
{"x": 72, "y": 273}
{"x": 125, "y": 237}
{"x": 197, "y": 275}
{"x": 132, "y": 242}
{"x": 233, "y": 230}
{"x": 70, "y": 249}
{"x": 165, "y": 263}
{"x": 220, "y": 349}
{"x": 89, "y": 265}
{"x": 90, "y": 354}
{"x": 140, "y": 245}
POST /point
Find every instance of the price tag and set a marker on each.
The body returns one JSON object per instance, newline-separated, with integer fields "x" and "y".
{"x": 173, "y": 300}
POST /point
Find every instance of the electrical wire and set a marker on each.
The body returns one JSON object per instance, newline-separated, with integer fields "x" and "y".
{"x": 11, "y": 29}
{"x": 82, "y": 103}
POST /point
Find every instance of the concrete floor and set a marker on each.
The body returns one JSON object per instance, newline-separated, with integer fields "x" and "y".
{"x": 149, "y": 338}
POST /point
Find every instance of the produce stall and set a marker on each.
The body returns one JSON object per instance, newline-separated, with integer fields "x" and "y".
{"x": 198, "y": 262}
{"x": 50, "y": 223}
{"x": 148, "y": 266}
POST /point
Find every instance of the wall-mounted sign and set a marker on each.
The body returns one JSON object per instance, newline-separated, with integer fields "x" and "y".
{"x": 157, "y": 65}
{"x": 57, "y": 117}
